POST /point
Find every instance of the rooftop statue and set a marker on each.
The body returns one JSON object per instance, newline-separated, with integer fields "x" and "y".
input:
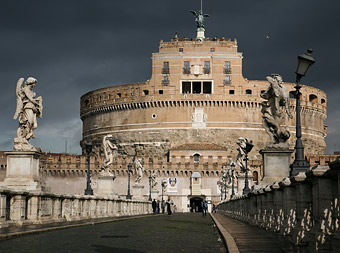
{"x": 199, "y": 18}
{"x": 153, "y": 180}
{"x": 139, "y": 169}
{"x": 110, "y": 154}
{"x": 28, "y": 109}
{"x": 276, "y": 96}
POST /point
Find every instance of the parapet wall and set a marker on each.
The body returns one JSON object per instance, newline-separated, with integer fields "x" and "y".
{"x": 25, "y": 208}
{"x": 304, "y": 208}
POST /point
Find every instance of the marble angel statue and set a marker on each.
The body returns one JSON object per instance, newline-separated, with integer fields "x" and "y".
{"x": 28, "y": 109}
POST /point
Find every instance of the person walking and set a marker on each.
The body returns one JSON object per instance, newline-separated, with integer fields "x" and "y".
{"x": 157, "y": 209}
{"x": 154, "y": 205}
{"x": 204, "y": 208}
{"x": 168, "y": 207}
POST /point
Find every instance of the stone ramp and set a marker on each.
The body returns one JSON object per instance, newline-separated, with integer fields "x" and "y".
{"x": 241, "y": 237}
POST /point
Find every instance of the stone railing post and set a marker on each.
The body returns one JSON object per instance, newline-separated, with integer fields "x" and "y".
{"x": 18, "y": 206}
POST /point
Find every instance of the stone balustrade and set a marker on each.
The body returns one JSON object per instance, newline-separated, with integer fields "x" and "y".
{"x": 24, "y": 208}
{"x": 304, "y": 208}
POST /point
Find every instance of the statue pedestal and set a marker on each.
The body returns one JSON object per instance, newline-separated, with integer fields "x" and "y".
{"x": 276, "y": 164}
{"x": 137, "y": 192}
{"x": 200, "y": 33}
{"x": 105, "y": 185}
{"x": 154, "y": 194}
{"x": 23, "y": 171}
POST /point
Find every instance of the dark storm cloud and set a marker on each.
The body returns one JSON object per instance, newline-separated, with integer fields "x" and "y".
{"x": 73, "y": 47}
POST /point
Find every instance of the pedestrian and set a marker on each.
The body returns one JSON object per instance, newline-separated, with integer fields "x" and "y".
{"x": 154, "y": 205}
{"x": 157, "y": 209}
{"x": 175, "y": 208}
{"x": 194, "y": 207}
{"x": 168, "y": 207}
{"x": 204, "y": 208}
{"x": 163, "y": 206}
{"x": 214, "y": 208}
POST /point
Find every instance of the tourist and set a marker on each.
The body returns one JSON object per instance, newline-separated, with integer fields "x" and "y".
{"x": 157, "y": 209}
{"x": 204, "y": 208}
{"x": 154, "y": 205}
{"x": 168, "y": 207}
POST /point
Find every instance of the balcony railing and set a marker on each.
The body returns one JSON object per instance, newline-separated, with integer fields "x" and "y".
{"x": 227, "y": 82}
{"x": 165, "y": 82}
{"x": 206, "y": 70}
{"x": 227, "y": 71}
{"x": 186, "y": 70}
{"x": 165, "y": 70}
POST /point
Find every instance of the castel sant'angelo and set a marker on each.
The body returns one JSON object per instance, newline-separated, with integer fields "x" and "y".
{"x": 184, "y": 122}
{"x": 196, "y": 96}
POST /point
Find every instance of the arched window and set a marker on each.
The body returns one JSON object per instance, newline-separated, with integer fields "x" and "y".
{"x": 249, "y": 92}
{"x": 323, "y": 101}
{"x": 196, "y": 158}
{"x": 292, "y": 94}
{"x": 313, "y": 98}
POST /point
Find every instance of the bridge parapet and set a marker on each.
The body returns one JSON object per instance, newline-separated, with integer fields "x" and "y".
{"x": 25, "y": 208}
{"x": 304, "y": 208}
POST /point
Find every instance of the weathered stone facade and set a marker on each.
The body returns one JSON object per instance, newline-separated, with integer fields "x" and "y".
{"x": 197, "y": 93}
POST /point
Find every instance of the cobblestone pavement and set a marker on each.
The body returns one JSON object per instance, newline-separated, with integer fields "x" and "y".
{"x": 180, "y": 232}
{"x": 254, "y": 239}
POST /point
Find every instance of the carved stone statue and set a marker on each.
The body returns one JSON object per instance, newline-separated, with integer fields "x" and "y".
{"x": 224, "y": 173}
{"x": 153, "y": 180}
{"x": 139, "y": 169}
{"x": 28, "y": 109}
{"x": 199, "y": 18}
{"x": 241, "y": 153}
{"x": 272, "y": 115}
{"x": 110, "y": 153}
{"x": 164, "y": 184}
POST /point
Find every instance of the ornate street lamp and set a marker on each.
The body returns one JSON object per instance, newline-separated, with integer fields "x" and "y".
{"x": 150, "y": 178}
{"x": 232, "y": 165}
{"x": 300, "y": 164}
{"x": 128, "y": 196}
{"x": 88, "y": 190}
{"x": 249, "y": 147}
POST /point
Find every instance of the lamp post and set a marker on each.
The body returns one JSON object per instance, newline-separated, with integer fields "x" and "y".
{"x": 162, "y": 184}
{"x": 232, "y": 165}
{"x": 128, "y": 196}
{"x": 88, "y": 190}
{"x": 300, "y": 164}
{"x": 249, "y": 147}
{"x": 225, "y": 188}
{"x": 150, "y": 178}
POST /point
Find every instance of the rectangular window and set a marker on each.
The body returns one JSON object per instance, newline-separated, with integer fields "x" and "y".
{"x": 181, "y": 49}
{"x": 165, "y": 69}
{"x": 160, "y": 92}
{"x": 231, "y": 92}
{"x": 186, "y": 69}
{"x": 207, "y": 87}
{"x": 227, "y": 69}
{"x": 146, "y": 92}
{"x": 206, "y": 69}
{"x": 227, "y": 80}
{"x": 186, "y": 87}
{"x": 212, "y": 50}
{"x": 196, "y": 88}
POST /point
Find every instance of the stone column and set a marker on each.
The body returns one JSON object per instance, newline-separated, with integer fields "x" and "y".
{"x": 22, "y": 171}
{"x": 137, "y": 192}
{"x": 276, "y": 164}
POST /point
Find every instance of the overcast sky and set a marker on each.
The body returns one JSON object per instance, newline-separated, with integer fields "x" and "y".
{"x": 73, "y": 47}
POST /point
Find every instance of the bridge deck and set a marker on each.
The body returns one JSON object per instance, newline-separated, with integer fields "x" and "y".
{"x": 188, "y": 232}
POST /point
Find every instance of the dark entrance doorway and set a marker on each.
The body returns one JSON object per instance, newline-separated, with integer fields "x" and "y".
{"x": 195, "y": 204}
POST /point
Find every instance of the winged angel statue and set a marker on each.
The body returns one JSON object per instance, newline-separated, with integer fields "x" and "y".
{"x": 28, "y": 109}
